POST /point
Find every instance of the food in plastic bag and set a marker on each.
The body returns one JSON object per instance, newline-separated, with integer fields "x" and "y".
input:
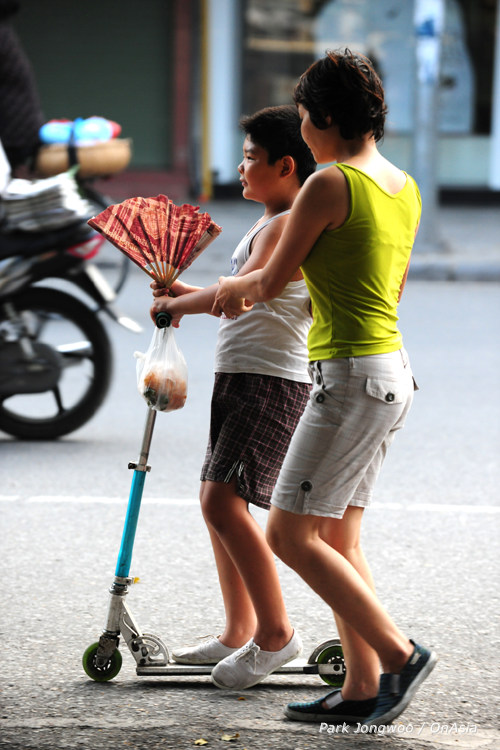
{"x": 162, "y": 372}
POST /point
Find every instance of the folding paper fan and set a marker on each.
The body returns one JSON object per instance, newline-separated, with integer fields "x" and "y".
{"x": 162, "y": 238}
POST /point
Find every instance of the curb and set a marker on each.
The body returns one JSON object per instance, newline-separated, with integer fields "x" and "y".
{"x": 454, "y": 270}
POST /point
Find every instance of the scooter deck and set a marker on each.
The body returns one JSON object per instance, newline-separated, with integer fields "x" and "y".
{"x": 297, "y": 666}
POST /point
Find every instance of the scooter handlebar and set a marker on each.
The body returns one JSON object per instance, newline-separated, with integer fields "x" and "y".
{"x": 163, "y": 320}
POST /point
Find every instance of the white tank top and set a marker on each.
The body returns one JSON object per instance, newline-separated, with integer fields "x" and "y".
{"x": 271, "y": 339}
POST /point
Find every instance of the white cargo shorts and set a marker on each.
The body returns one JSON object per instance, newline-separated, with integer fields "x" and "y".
{"x": 356, "y": 406}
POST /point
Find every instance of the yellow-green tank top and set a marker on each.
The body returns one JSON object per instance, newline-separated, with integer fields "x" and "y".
{"x": 354, "y": 273}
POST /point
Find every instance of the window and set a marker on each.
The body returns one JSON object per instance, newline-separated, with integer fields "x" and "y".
{"x": 282, "y": 39}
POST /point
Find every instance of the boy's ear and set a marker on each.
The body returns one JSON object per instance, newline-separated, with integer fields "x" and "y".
{"x": 287, "y": 166}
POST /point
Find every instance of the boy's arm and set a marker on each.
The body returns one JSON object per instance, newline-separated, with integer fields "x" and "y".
{"x": 199, "y": 301}
{"x": 176, "y": 290}
{"x": 202, "y": 299}
{"x": 179, "y": 288}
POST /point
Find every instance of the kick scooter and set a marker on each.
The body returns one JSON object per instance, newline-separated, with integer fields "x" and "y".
{"x": 102, "y": 661}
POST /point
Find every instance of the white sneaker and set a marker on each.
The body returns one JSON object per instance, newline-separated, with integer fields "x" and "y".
{"x": 250, "y": 664}
{"x": 209, "y": 652}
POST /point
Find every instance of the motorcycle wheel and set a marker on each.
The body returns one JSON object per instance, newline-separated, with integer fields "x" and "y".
{"x": 71, "y": 328}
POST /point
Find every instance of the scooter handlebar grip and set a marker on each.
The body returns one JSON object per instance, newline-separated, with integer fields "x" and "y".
{"x": 163, "y": 320}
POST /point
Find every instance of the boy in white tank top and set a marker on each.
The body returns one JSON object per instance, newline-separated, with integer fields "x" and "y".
{"x": 261, "y": 388}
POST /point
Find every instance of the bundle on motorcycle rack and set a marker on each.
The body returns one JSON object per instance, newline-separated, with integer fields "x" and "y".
{"x": 40, "y": 205}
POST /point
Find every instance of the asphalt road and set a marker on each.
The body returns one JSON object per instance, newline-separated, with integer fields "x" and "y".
{"x": 431, "y": 538}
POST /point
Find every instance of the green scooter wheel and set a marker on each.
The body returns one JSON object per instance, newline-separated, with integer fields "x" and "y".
{"x": 330, "y": 653}
{"x": 104, "y": 673}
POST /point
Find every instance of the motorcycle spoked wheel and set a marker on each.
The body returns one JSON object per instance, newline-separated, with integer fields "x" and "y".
{"x": 74, "y": 330}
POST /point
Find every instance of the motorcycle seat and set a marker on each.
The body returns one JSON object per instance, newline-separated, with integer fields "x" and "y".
{"x": 27, "y": 244}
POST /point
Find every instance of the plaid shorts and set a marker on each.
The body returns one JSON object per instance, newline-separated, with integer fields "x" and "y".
{"x": 253, "y": 418}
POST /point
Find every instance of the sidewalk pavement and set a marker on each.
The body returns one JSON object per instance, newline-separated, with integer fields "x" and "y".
{"x": 467, "y": 246}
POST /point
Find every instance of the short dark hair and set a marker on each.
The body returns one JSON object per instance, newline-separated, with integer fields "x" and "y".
{"x": 277, "y": 129}
{"x": 344, "y": 86}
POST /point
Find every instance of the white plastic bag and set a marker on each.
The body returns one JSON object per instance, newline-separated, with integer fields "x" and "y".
{"x": 162, "y": 372}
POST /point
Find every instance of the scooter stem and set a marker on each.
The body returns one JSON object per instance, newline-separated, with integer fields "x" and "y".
{"x": 134, "y": 503}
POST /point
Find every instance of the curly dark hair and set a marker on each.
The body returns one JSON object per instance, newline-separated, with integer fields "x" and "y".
{"x": 344, "y": 86}
{"x": 277, "y": 129}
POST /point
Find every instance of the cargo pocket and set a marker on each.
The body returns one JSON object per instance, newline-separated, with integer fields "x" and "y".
{"x": 384, "y": 390}
{"x": 303, "y": 492}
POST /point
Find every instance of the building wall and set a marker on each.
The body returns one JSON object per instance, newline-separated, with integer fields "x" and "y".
{"x": 113, "y": 58}
{"x": 141, "y": 65}
{"x": 277, "y": 41}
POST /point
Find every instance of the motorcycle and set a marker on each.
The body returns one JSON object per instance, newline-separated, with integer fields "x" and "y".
{"x": 55, "y": 353}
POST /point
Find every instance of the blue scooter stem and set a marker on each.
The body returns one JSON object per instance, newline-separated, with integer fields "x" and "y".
{"x": 129, "y": 529}
{"x": 163, "y": 320}
{"x": 134, "y": 501}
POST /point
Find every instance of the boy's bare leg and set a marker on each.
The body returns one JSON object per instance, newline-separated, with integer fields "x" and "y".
{"x": 362, "y": 662}
{"x": 240, "y": 614}
{"x": 297, "y": 541}
{"x": 227, "y": 516}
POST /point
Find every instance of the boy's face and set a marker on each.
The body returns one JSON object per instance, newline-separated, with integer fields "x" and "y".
{"x": 257, "y": 176}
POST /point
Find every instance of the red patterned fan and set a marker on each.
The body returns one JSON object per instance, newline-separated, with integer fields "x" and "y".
{"x": 161, "y": 238}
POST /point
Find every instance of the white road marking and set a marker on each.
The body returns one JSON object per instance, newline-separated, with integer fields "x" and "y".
{"x": 90, "y": 499}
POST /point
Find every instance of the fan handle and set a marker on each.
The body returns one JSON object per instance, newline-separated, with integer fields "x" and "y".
{"x": 163, "y": 320}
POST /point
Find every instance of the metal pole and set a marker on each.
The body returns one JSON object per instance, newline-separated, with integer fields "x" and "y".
{"x": 495, "y": 126}
{"x": 428, "y": 25}
{"x": 206, "y": 168}
{"x": 135, "y": 497}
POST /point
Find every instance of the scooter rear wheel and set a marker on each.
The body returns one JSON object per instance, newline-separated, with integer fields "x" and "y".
{"x": 105, "y": 673}
{"x": 330, "y": 652}
{"x": 82, "y": 348}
